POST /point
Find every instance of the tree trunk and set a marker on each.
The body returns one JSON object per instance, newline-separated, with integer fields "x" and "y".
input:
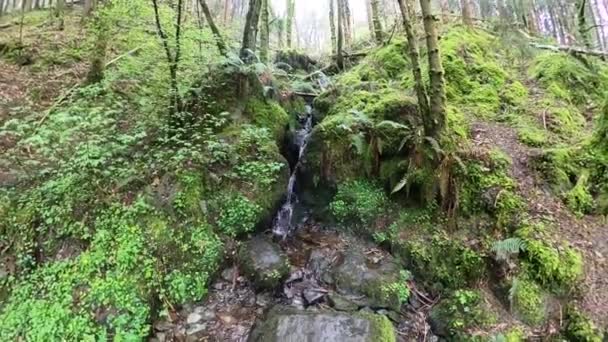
{"x": 332, "y": 26}
{"x": 59, "y": 12}
{"x": 370, "y": 21}
{"x": 289, "y": 24}
{"x": 340, "y": 57}
{"x": 445, "y": 10}
{"x": 226, "y": 6}
{"x": 412, "y": 42}
{"x": 376, "y": 21}
{"x": 437, "y": 82}
{"x": 347, "y": 19}
{"x": 467, "y": 18}
{"x": 582, "y": 23}
{"x": 264, "y": 33}
{"x": 553, "y": 23}
{"x": 89, "y": 6}
{"x": 250, "y": 31}
{"x": 219, "y": 41}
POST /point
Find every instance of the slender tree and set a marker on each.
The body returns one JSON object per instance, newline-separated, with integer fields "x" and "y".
{"x": 250, "y": 31}
{"x": 467, "y": 17}
{"x": 378, "y": 34}
{"x": 219, "y": 41}
{"x": 412, "y": 45}
{"x": 332, "y": 26}
{"x": 437, "y": 82}
{"x": 347, "y": 19}
{"x": 89, "y": 6}
{"x": 370, "y": 20}
{"x": 581, "y": 16}
{"x": 173, "y": 58}
{"x": 291, "y": 7}
{"x": 264, "y": 33}
{"x": 340, "y": 38}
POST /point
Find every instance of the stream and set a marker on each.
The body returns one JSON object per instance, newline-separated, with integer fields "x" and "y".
{"x": 323, "y": 292}
{"x": 283, "y": 222}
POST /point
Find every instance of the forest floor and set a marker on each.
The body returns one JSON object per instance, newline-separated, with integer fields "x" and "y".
{"x": 587, "y": 233}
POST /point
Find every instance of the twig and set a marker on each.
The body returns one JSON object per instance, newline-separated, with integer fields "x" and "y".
{"x": 545, "y": 119}
{"x": 59, "y": 100}
{"x": 128, "y": 53}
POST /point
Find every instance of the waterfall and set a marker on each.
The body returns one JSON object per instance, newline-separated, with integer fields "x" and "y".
{"x": 282, "y": 224}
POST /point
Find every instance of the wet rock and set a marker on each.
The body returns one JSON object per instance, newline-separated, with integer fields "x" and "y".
{"x": 263, "y": 299}
{"x": 286, "y": 324}
{"x": 163, "y": 326}
{"x": 263, "y": 262}
{"x": 194, "y": 317}
{"x": 392, "y": 315}
{"x": 358, "y": 276}
{"x": 229, "y": 274}
{"x": 313, "y": 296}
{"x": 204, "y": 313}
{"x": 195, "y": 332}
{"x": 318, "y": 262}
{"x": 341, "y": 303}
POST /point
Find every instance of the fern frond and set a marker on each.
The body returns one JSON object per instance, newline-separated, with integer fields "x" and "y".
{"x": 505, "y": 248}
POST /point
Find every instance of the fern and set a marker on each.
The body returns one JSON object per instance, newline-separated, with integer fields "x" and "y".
{"x": 505, "y": 248}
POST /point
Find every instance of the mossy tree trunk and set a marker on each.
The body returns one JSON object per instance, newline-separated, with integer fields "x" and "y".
{"x": 250, "y": 30}
{"x": 264, "y": 33}
{"x": 101, "y": 28}
{"x": 291, "y": 8}
{"x": 332, "y": 26}
{"x": 581, "y": 20}
{"x": 378, "y": 35}
{"x": 340, "y": 38}
{"x": 467, "y": 17}
{"x": 437, "y": 105}
{"x": 219, "y": 40}
{"x": 280, "y": 32}
{"x": 407, "y": 13}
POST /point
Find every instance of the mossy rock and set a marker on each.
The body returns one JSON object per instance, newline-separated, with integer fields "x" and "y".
{"x": 437, "y": 259}
{"x": 382, "y": 284}
{"x": 580, "y": 328}
{"x": 289, "y": 324}
{"x": 268, "y": 114}
{"x": 455, "y": 315}
{"x": 529, "y": 301}
{"x": 263, "y": 262}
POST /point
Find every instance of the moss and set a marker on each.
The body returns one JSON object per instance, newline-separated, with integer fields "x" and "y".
{"x": 569, "y": 78}
{"x": 559, "y": 268}
{"x": 268, "y": 114}
{"x": 381, "y": 66}
{"x": 358, "y": 202}
{"x": 486, "y": 186}
{"x": 461, "y": 311}
{"x": 436, "y": 258}
{"x": 474, "y": 75}
{"x": 580, "y": 328}
{"x": 382, "y": 328}
{"x": 514, "y": 94}
{"x": 578, "y": 198}
{"x": 532, "y": 136}
{"x": 527, "y": 300}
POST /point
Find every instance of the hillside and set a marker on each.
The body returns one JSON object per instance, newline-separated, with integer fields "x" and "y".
{"x": 279, "y": 199}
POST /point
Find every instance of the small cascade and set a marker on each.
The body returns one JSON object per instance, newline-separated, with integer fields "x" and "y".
{"x": 283, "y": 221}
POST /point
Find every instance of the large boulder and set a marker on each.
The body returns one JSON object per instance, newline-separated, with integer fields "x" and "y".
{"x": 377, "y": 280}
{"x": 288, "y": 324}
{"x": 263, "y": 262}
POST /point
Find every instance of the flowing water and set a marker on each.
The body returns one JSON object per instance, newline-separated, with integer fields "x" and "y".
{"x": 283, "y": 222}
